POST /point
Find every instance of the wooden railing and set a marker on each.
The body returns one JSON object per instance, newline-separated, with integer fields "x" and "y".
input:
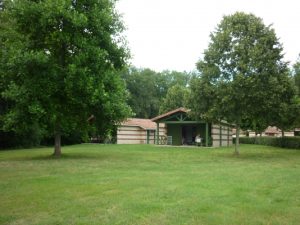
{"x": 162, "y": 140}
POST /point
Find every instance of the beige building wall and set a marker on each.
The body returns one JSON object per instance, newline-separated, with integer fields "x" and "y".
{"x": 221, "y": 135}
{"x": 162, "y": 129}
{"x": 286, "y": 134}
{"x": 134, "y": 135}
{"x": 131, "y": 135}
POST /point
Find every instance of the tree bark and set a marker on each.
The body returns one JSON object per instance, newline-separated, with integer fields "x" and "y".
{"x": 282, "y": 133}
{"x": 237, "y": 140}
{"x": 57, "y": 144}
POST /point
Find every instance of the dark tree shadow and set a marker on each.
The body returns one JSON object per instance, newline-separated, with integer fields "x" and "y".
{"x": 75, "y": 156}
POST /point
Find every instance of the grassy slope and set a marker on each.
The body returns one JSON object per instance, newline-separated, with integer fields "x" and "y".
{"x": 140, "y": 184}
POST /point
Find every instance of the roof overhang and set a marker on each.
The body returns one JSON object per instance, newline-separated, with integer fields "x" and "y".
{"x": 169, "y": 114}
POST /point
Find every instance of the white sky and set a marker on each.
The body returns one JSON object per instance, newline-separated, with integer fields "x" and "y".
{"x": 172, "y": 34}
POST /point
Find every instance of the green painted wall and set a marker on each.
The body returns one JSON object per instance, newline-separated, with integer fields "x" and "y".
{"x": 174, "y": 130}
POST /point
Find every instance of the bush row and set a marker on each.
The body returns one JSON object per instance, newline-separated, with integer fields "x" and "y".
{"x": 283, "y": 142}
{"x": 11, "y": 140}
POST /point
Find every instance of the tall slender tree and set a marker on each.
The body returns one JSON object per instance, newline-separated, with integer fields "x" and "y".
{"x": 59, "y": 60}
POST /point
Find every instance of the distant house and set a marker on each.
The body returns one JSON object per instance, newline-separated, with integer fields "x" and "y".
{"x": 137, "y": 131}
{"x": 273, "y": 131}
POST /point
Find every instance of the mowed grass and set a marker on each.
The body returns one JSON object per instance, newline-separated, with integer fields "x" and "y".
{"x": 145, "y": 184}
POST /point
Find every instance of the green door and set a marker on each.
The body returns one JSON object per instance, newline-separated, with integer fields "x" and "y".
{"x": 174, "y": 130}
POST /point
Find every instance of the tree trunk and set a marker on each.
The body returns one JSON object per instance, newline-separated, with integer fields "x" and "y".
{"x": 57, "y": 144}
{"x": 282, "y": 133}
{"x": 237, "y": 140}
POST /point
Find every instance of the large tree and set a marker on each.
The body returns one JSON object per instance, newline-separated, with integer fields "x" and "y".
{"x": 244, "y": 70}
{"x": 58, "y": 65}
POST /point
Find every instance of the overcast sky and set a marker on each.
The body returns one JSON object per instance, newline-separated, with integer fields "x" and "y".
{"x": 172, "y": 34}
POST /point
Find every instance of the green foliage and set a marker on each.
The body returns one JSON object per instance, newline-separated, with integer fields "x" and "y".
{"x": 286, "y": 115}
{"x": 59, "y": 62}
{"x": 176, "y": 97}
{"x": 258, "y": 125}
{"x": 283, "y": 142}
{"x": 26, "y": 139}
{"x": 297, "y": 75}
{"x": 145, "y": 89}
{"x": 171, "y": 78}
{"x": 297, "y": 98}
{"x": 243, "y": 76}
{"x": 201, "y": 99}
{"x": 1, "y": 5}
{"x": 148, "y": 89}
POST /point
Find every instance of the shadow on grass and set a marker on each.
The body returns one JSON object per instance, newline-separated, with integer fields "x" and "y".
{"x": 28, "y": 156}
{"x": 77, "y": 156}
{"x": 73, "y": 156}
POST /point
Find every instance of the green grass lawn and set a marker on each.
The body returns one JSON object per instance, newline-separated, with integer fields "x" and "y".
{"x": 144, "y": 184}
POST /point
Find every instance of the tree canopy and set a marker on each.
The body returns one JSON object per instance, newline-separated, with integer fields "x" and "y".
{"x": 59, "y": 62}
{"x": 177, "y": 96}
{"x": 147, "y": 89}
{"x": 243, "y": 75}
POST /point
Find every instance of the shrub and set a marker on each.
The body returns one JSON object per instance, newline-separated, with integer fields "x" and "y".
{"x": 283, "y": 142}
{"x": 28, "y": 138}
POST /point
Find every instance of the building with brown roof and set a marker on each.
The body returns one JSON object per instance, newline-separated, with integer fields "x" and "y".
{"x": 175, "y": 127}
{"x": 138, "y": 131}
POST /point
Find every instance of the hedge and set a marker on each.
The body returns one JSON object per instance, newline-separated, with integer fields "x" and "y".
{"x": 283, "y": 142}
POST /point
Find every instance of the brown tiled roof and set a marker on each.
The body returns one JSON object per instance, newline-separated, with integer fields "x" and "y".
{"x": 181, "y": 109}
{"x": 272, "y": 130}
{"x": 146, "y": 124}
